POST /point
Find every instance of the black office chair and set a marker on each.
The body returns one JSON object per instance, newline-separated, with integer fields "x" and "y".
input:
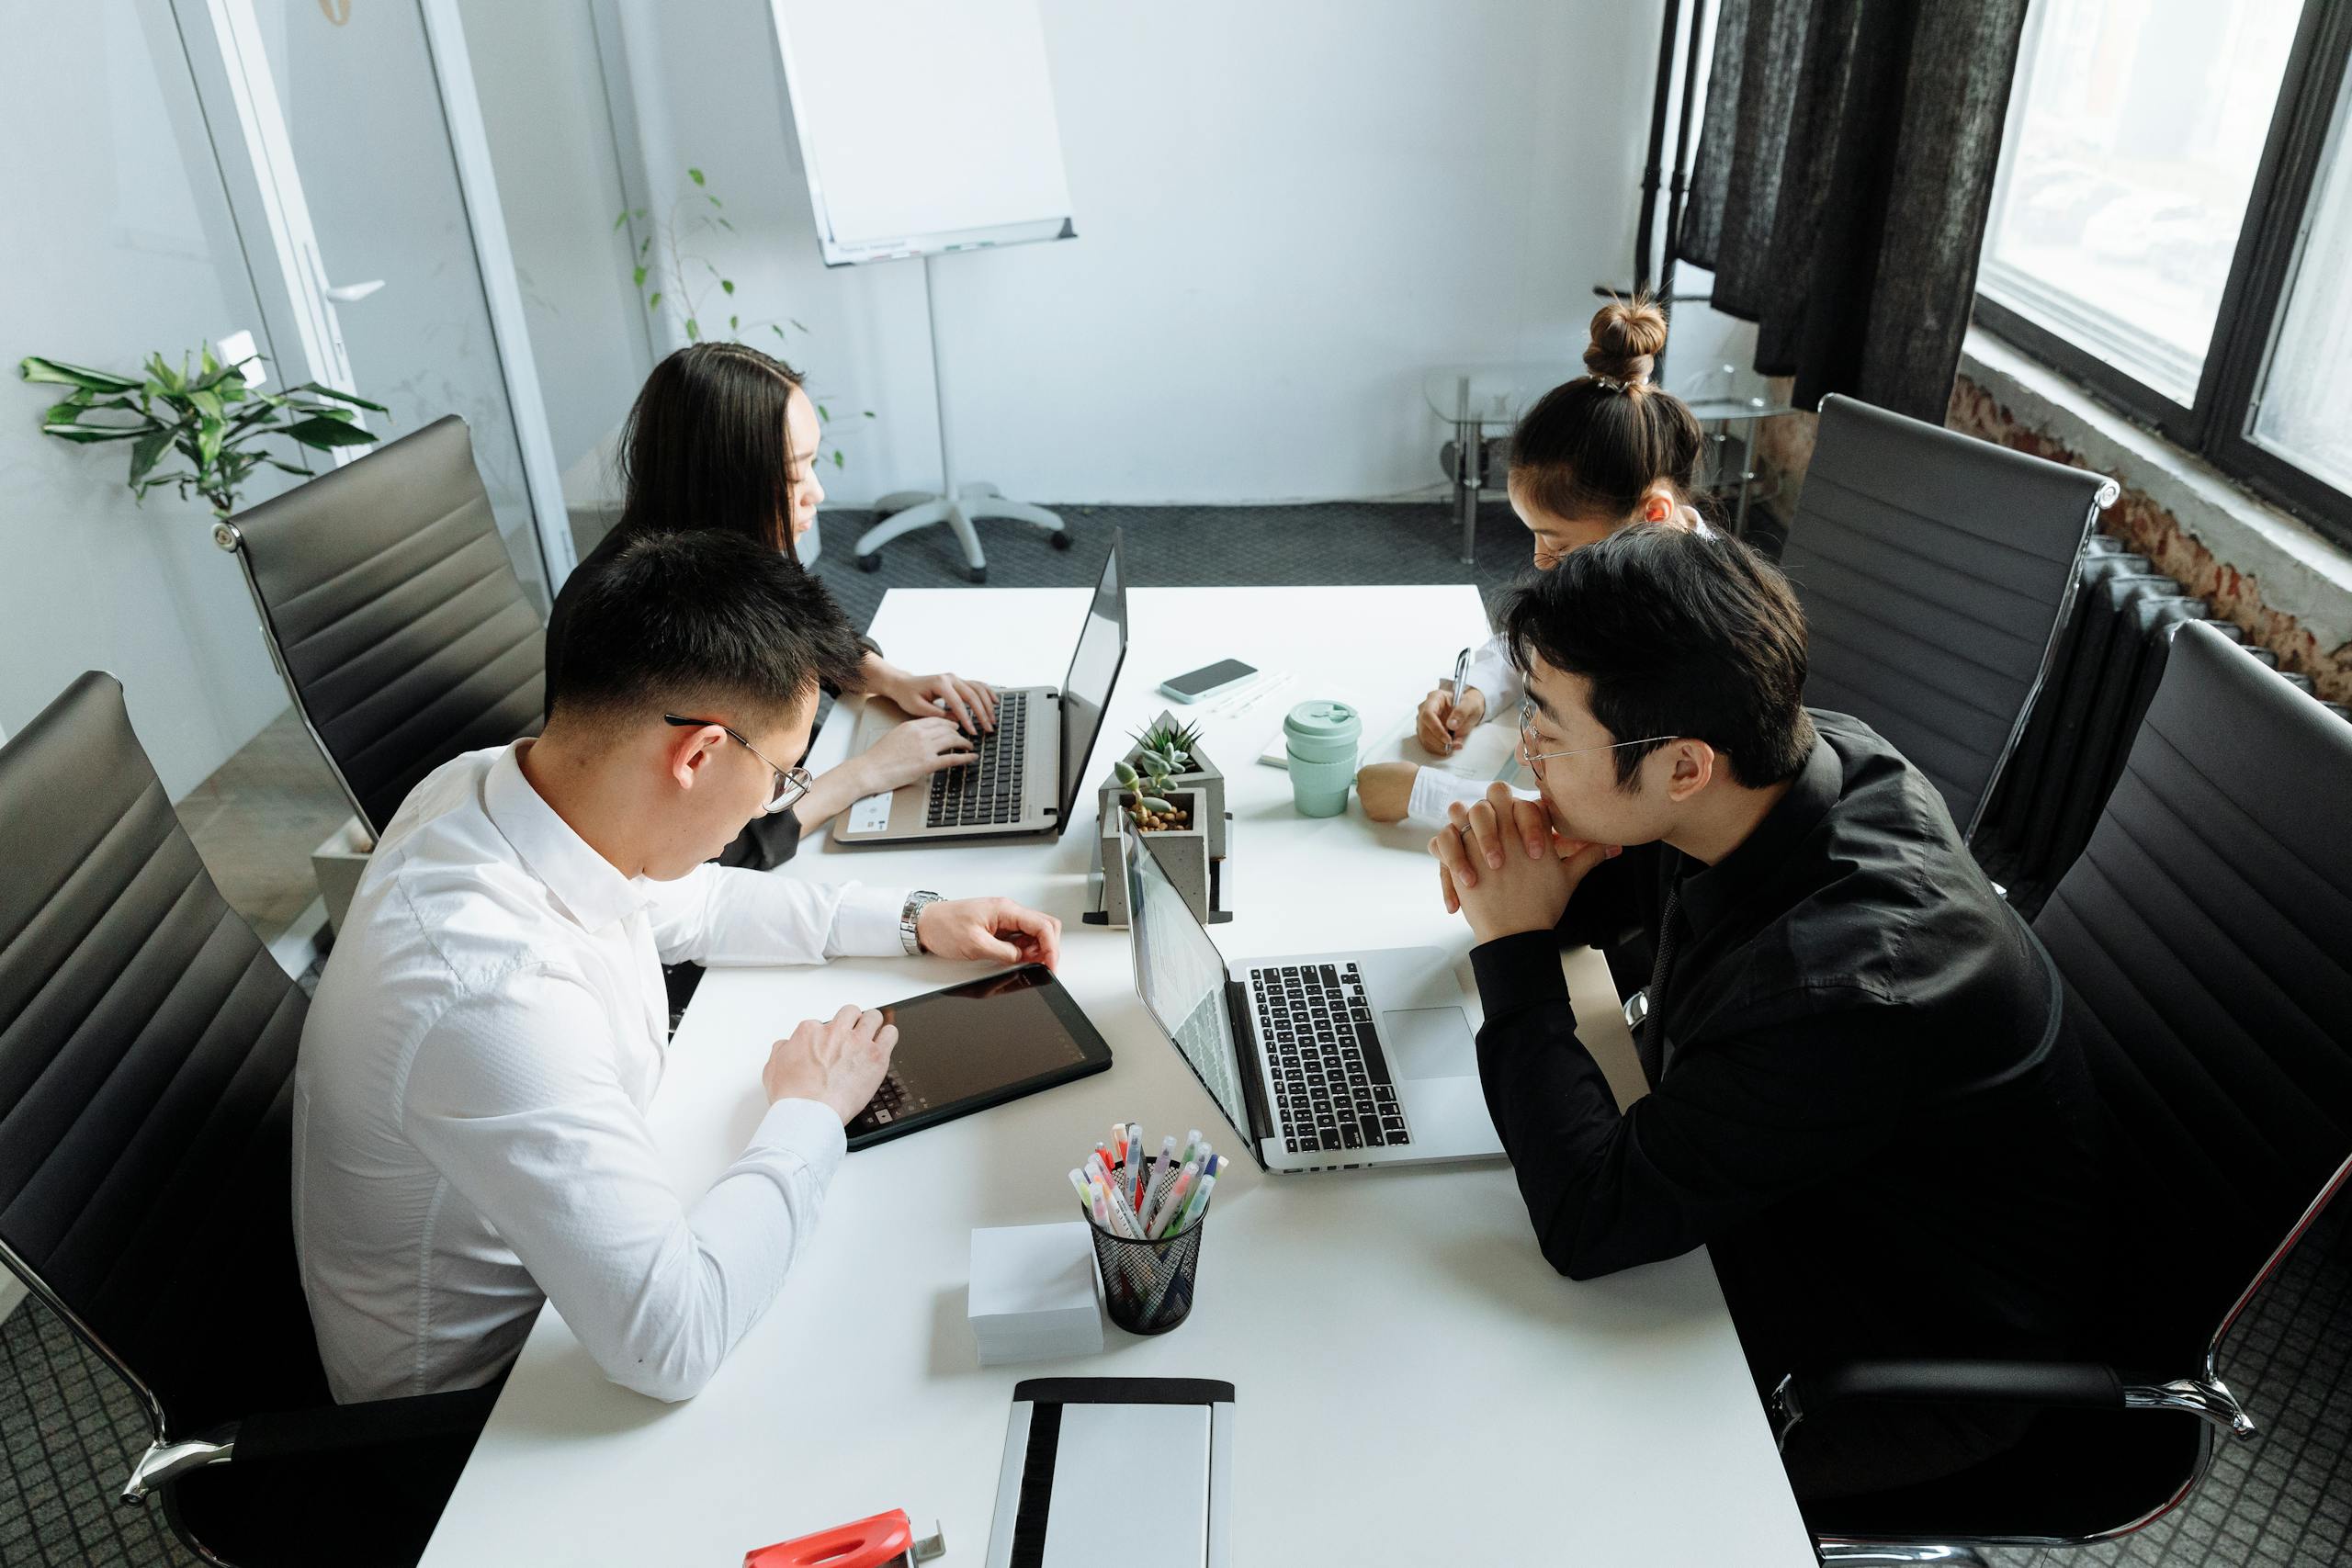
{"x": 2205, "y": 937}
{"x": 146, "y": 1066}
{"x": 394, "y": 614}
{"x": 1935, "y": 570}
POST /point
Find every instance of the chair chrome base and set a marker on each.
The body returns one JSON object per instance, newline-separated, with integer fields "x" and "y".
{"x": 911, "y": 510}
{"x": 1862, "y": 1552}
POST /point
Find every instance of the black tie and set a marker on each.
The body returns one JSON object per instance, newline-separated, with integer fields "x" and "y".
{"x": 1653, "y": 1041}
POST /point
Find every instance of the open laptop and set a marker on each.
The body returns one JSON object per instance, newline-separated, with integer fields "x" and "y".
{"x": 1031, "y": 766}
{"x": 1322, "y": 1061}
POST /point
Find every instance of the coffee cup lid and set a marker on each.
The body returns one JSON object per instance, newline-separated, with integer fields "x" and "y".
{"x": 1322, "y": 720}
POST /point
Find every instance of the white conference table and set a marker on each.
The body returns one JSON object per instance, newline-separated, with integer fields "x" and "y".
{"x": 1414, "y": 1383}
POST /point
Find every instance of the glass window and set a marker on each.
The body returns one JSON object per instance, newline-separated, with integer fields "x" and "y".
{"x": 2133, "y": 137}
{"x": 2304, "y": 411}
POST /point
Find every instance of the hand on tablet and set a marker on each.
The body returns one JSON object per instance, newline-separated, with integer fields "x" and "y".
{"x": 990, "y": 930}
{"x": 838, "y": 1062}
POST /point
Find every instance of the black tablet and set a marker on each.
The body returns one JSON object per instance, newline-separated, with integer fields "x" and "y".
{"x": 978, "y": 1044}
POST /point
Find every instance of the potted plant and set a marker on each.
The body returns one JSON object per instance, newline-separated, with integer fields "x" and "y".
{"x": 1163, "y": 826}
{"x": 1167, "y": 789}
{"x": 212, "y": 418}
{"x": 1175, "y": 750}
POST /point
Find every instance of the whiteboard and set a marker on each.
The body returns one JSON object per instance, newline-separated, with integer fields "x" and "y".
{"x": 924, "y": 124}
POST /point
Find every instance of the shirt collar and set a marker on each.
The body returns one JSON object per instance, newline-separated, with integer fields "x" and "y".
{"x": 1713, "y": 892}
{"x": 583, "y": 881}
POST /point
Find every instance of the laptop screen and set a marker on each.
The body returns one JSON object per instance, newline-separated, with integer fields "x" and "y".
{"x": 1093, "y": 670}
{"x": 1180, "y": 976}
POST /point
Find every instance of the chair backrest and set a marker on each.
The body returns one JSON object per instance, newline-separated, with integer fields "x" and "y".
{"x": 2205, "y": 935}
{"x": 396, "y": 616}
{"x": 1935, "y": 570}
{"x": 147, "y": 1046}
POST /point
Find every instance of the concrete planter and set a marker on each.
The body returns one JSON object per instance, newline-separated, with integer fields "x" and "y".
{"x": 337, "y": 864}
{"x": 1183, "y": 855}
{"x": 1202, "y": 776}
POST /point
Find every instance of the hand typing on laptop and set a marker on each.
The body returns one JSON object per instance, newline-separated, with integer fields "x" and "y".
{"x": 970, "y": 705}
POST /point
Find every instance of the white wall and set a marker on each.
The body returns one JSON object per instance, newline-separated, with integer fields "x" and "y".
{"x": 115, "y": 246}
{"x": 1287, "y": 213}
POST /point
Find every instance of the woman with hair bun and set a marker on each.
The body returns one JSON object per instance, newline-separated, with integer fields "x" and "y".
{"x": 1603, "y": 452}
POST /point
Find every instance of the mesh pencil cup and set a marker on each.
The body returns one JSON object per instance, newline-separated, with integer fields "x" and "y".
{"x": 1148, "y": 1284}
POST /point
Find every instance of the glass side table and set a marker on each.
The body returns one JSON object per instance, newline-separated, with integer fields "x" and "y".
{"x": 1476, "y": 399}
{"x": 1732, "y": 456}
{"x": 1473, "y": 399}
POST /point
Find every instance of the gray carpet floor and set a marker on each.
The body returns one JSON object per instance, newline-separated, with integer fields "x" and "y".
{"x": 69, "y": 1428}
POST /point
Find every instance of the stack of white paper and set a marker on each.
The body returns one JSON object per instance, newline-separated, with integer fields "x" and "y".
{"x": 1032, "y": 1295}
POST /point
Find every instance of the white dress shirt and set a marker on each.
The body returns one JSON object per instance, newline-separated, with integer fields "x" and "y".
{"x": 1491, "y": 674}
{"x": 470, "y": 1132}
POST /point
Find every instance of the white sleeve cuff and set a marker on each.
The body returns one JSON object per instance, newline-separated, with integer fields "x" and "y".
{"x": 1490, "y": 672}
{"x": 804, "y": 1128}
{"x": 865, "y": 923}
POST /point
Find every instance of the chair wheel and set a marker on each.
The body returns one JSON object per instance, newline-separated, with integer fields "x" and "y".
{"x": 977, "y": 573}
{"x": 870, "y": 563}
{"x": 1058, "y": 538}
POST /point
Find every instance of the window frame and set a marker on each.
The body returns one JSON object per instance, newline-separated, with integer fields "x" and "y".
{"x": 2217, "y": 426}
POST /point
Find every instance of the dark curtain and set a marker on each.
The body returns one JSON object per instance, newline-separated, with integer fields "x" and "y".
{"x": 1841, "y": 185}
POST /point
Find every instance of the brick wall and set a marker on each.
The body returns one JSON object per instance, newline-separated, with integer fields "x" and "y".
{"x": 1784, "y": 448}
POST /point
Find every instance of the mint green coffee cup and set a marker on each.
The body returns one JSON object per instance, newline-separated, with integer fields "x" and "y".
{"x": 1320, "y": 739}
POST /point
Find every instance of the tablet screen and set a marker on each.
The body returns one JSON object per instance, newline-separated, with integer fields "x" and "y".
{"x": 978, "y": 1045}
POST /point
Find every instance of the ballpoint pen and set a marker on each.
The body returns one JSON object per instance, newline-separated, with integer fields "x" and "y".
{"x": 1461, "y": 674}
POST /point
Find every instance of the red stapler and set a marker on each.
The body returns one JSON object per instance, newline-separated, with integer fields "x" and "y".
{"x": 885, "y": 1540}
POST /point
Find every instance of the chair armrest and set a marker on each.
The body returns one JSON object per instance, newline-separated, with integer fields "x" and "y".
{"x": 376, "y": 1423}
{"x": 2079, "y": 1386}
{"x": 2041, "y": 1385}
{"x": 419, "y": 1420}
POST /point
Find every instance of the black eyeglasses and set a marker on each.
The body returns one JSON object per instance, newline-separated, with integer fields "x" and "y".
{"x": 791, "y": 783}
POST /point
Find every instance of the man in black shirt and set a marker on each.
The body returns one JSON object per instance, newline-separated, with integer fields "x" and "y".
{"x": 1861, "y": 1099}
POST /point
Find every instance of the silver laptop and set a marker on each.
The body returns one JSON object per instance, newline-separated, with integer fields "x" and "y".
{"x": 1322, "y": 1061}
{"x": 1031, "y": 766}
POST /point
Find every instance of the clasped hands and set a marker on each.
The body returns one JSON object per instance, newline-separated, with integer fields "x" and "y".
{"x": 1504, "y": 867}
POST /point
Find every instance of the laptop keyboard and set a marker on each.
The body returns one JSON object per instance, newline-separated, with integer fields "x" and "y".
{"x": 989, "y": 791}
{"x": 1333, "y": 1085}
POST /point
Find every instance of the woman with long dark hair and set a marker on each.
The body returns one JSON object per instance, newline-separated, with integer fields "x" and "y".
{"x": 724, "y": 436}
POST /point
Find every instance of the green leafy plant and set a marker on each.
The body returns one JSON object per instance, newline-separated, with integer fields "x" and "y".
{"x": 671, "y": 268}
{"x": 1163, "y": 752}
{"x": 208, "y": 417}
{"x": 1173, "y": 740}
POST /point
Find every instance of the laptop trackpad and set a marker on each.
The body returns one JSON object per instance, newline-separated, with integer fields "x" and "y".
{"x": 1429, "y": 1043}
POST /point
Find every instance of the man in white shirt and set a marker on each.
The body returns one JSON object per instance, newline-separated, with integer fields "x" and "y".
{"x": 471, "y": 1092}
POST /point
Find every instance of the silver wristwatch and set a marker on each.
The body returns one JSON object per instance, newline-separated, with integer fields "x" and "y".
{"x": 915, "y": 905}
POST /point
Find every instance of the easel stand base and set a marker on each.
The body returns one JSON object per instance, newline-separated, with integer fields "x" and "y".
{"x": 903, "y": 512}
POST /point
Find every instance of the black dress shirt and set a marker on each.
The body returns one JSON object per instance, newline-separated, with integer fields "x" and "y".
{"x": 1865, "y": 1109}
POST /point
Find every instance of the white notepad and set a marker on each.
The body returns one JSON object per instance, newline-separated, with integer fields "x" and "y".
{"x": 1032, "y": 1295}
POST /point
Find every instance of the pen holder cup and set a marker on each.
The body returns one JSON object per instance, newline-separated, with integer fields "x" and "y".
{"x": 1149, "y": 1284}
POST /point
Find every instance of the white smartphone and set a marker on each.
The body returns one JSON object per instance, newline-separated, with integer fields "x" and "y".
{"x": 1207, "y": 680}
